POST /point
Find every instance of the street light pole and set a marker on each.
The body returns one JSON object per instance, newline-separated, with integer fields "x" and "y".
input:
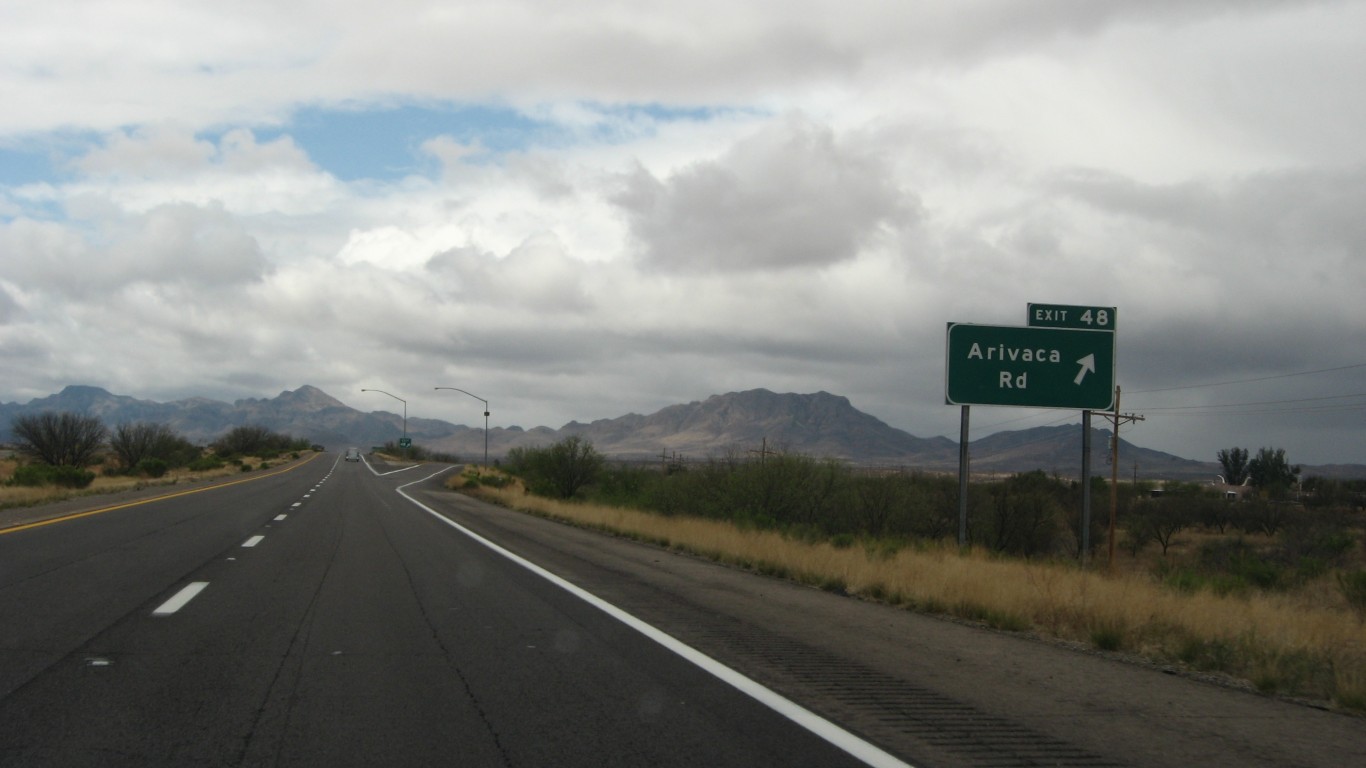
{"x": 486, "y": 420}
{"x": 405, "y": 409}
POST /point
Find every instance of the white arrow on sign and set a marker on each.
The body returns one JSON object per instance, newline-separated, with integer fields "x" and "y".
{"x": 1088, "y": 365}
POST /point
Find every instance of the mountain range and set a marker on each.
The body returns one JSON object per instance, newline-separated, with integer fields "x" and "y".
{"x": 737, "y": 423}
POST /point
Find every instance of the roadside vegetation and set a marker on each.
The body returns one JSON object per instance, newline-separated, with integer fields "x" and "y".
{"x": 1270, "y": 589}
{"x": 415, "y": 452}
{"x": 60, "y": 455}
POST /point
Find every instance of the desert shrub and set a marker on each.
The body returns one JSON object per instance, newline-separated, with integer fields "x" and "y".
{"x": 560, "y": 470}
{"x": 31, "y": 475}
{"x": 1316, "y": 535}
{"x": 152, "y": 467}
{"x": 135, "y": 442}
{"x": 624, "y": 485}
{"x": 1024, "y": 517}
{"x": 1158, "y": 520}
{"x": 206, "y": 463}
{"x": 37, "y": 475}
{"x": 1235, "y": 565}
{"x": 73, "y": 477}
{"x": 254, "y": 440}
{"x": 1261, "y": 516}
{"x": 59, "y": 439}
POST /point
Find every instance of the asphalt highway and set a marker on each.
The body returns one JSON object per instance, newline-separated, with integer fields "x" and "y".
{"x": 337, "y": 614}
{"x": 317, "y": 618}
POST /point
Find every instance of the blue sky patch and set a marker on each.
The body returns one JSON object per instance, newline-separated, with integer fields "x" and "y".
{"x": 38, "y": 159}
{"x": 387, "y": 143}
{"x": 24, "y": 166}
{"x": 384, "y": 143}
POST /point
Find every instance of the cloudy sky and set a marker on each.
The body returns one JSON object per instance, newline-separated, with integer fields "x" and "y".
{"x": 580, "y": 210}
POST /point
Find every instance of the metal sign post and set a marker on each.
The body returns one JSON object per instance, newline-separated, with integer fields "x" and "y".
{"x": 1064, "y": 358}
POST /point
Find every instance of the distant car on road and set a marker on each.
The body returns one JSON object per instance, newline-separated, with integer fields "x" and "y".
{"x": 353, "y": 454}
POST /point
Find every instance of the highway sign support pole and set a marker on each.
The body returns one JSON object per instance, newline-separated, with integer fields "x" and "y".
{"x": 1085, "y": 486}
{"x": 1064, "y": 358}
{"x": 963, "y": 480}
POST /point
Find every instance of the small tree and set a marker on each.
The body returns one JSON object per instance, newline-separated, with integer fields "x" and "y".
{"x": 1025, "y": 516}
{"x": 561, "y": 470}
{"x": 1271, "y": 473}
{"x": 243, "y": 440}
{"x": 1167, "y": 518}
{"x": 1234, "y": 463}
{"x": 138, "y": 441}
{"x": 571, "y": 464}
{"x": 61, "y": 439}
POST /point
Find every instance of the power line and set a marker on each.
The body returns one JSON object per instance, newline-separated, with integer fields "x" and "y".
{"x": 1250, "y": 381}
{"x": 1260, "y": 402}
{"x": 1345, "y": 408}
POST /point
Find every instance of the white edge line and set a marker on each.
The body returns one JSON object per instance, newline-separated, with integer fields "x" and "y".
{"x": 377, "y": 473}
{"x": 830, "y": 732}
{"x": 179, "y": 599}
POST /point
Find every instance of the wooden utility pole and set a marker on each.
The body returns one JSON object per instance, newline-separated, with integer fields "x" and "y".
{"x": 763, "y": 452}
{"x": 1116, "y": 418}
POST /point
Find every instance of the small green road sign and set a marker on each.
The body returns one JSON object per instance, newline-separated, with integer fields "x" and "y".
{"x": 1072, "y": 316}
{"x": 1029, "y": 367}
{"x": 405, "y": 442}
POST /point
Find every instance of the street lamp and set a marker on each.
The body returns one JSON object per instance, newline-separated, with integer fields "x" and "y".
{"x": 405, "y": 410}
{"x": 486, "y": 420}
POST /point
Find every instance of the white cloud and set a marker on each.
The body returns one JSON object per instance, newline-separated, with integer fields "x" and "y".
{"x": 799, "y": 198}
{"x": 181, "y": 244}
{"x": 791, "y": 196}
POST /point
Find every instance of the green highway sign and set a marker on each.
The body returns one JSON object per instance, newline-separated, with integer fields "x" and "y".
{"x": 1072, "y": 316}
{"x": 1029, "y": 367}
{"x": 405, "y": 442}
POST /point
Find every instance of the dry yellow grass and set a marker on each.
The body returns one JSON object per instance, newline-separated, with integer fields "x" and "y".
{"x": 1311, "y": 645}
{"x": 21, "y": 496}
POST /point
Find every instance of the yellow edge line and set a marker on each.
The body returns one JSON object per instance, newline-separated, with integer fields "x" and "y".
{"x": 89, "y": 512}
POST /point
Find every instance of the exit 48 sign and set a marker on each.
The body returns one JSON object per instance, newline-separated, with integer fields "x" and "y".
{"x": 1072, "y": 316}
{"x": 1034, "y": 367}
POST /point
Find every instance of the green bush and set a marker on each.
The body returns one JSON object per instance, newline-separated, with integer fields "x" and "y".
{"x": 561, "y": 470}
{"x": 206, "y": 463}
{"x": 1236, "y": 565}
{"x": 151, "y": 467}
{"x": 31, "y": 475}
{"x": 73, "y": 477}
{"x": 256, "y": 440}
{"x": 37, "y": 475}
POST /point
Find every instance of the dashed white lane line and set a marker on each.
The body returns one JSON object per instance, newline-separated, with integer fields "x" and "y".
{"x": 253, "y": 541}
{"x": 180, "y": 598}
{"x": 279, "y": 518}
{"x": 297, "y": 504}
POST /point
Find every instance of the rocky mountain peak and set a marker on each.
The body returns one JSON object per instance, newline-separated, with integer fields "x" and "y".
{"x": 308, "y": 398}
